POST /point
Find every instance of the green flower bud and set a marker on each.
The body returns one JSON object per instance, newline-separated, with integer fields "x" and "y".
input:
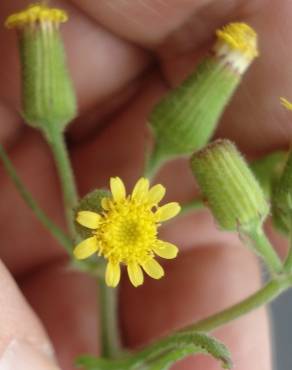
{"x": 282, "y": 194}
{"x": 282, "y": 199}
{"x": 48, "y": 98}
{"x": 230, "y": 188}
{"x": 186, "y": 118}
{"x": 91, "y": 202}
{"x": 268, "y": 170}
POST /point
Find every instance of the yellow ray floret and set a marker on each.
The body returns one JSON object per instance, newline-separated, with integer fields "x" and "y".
{"x": 240, "y": 37}
{"x": 125, "y": 232}
{"x": 36, "y": 13}
{"x": 286, "y": 104}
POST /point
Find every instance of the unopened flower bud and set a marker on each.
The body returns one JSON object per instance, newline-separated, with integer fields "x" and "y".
{"x": 92, "y": 203}
{"x": 230, "y": 188}
{"x": 186, "y": 118}
{"x": 282, "y": 195}
{"x": 48, "y": 98}
{"x": 268, "y": 170}
{"x": 282, "y": 199}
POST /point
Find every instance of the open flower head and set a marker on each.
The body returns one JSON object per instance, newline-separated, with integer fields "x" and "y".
{"x": 126, "y": 231}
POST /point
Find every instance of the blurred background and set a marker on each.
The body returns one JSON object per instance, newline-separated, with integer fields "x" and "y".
{"x": 282, "y": 331}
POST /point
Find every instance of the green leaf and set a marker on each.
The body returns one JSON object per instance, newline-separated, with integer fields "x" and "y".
{"x": 170, "y": 358}
{"x": 161, "y": 355}
{"x": 92, "y": 363}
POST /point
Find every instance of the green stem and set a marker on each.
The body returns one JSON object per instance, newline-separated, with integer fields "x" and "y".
{"x": 263, "y": 296}
{"x": 109, "y": 320}
{"x": 66, "y": 176}
{"x": 265, "y": 250}
{"x": 193, "y": 205}
{"x": 154, "y": 161}
{"x": 288, "y": 261}
{"x": 62, "y": 238}
{"x": 167, "y": 349}
{"x": 172, "y": 357}
{"x": 191, "y": 334}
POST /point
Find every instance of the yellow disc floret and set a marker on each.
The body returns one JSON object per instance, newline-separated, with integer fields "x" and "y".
{"x": 126, "y": 231}
{"x": 240, "y": 37}
{"x": 36, "y": 13}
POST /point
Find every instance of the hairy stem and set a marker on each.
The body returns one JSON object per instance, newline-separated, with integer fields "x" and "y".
{"x": 288, "y": 261}
{"x": 110, "y": 332}
{"x": 62, "y": 238}
{"x": 154, "y": 161}
{"x": 265, "y": 250}
{"x": 193, "y": 205}
{"x": 262, "y": 297}
{"x": 66, "y": 176}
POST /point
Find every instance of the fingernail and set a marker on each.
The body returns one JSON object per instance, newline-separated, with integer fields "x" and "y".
{"x": 20, "y": 355}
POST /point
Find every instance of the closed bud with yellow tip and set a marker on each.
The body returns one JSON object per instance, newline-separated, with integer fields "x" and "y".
{"x": 48, "y": 98}
{"x": 186, "y": 118}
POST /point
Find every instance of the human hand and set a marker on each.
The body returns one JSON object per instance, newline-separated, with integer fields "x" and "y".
{"x": 123, "y": 57}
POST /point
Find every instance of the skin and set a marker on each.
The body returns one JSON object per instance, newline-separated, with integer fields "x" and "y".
{"x": 123, "y": 56}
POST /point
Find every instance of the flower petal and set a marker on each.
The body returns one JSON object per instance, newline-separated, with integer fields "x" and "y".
{"x": 153, "y": 269}
{"x": 167, "y": 211}
{"x": 112, "y": 274}
{"x": 88, "y": 219}
{"x": 86, "y": 248}
{"x": 118, "y": 189}
{"x": 156, "y": 193}
{"x": 141, "y": 189}
{"x": 135, "y": 274}
{"x": 165, "y": 250}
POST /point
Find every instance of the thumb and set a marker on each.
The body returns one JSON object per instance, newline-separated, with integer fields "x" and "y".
{"x": 24, "y": 344}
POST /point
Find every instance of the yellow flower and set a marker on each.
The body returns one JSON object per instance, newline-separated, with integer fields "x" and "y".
{"x": 36, "y": 13}
{"x": 237, "y": 45}
{"x": 125, "y": 232}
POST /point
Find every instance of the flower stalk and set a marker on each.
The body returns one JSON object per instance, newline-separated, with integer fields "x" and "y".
{"x": 60, "y": 236}
{"x": 265, "y": 295}
{"x": 66, "y": 176}
{"x": 261, "y": 244}
{"x": 109, "y": 320}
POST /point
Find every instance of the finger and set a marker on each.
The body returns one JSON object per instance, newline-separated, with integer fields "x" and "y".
{"x": 200, "y": 283}
{"x": 23, "y": 342}
{"x": 149, "y": 22}
{"x": 26, "y": 244}
{"x": 66, "y": 302}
